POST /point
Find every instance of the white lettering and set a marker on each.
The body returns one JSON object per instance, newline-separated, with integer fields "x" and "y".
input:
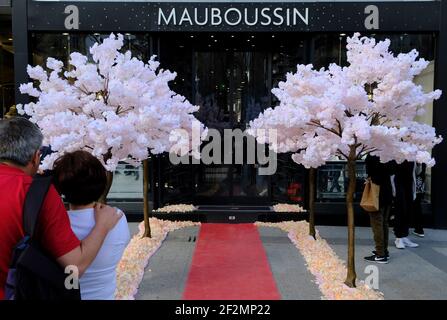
{"x": 167, "y": 21}
{"x": 227, "y": 21}
{"x": 248, "y": 23}
{"x": 185, "y": 17}
{"x": 279, "y": 16}
{"x": 305, "y": 19}
{"x": 215, "y": 15}
{"x": 266, "y": 16}
{"x": 233, "y": 16}
{"x": 196, "y": 18}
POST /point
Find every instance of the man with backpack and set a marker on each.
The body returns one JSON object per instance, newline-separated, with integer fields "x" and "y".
{"x": 20, "y": 143}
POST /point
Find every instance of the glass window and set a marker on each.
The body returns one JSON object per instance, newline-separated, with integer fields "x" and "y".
{"x": 127, "y": 183}
{"x": 61, "y": 45}
{"x": 6, "y": 65}
{"x": 230, "y": 76}
{"x": 333, "y": 180}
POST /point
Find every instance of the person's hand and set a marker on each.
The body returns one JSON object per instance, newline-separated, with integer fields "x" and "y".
{"x": 106, "y": 216}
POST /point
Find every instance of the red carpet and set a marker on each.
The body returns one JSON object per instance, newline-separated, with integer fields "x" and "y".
{"x": 230, "y": 262}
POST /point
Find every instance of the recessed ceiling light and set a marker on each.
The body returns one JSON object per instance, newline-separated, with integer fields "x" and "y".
{"x": 9, "y": 39}
{"x": 65, "y": 34}
{"x": 342, "y": 34}
{"x": 191, "y": 36}
{"x": 232, "y": 36}
{"x": 273, "y": 35}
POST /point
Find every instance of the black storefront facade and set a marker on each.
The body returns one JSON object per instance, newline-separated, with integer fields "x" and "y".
{"x": 228, "y": 56}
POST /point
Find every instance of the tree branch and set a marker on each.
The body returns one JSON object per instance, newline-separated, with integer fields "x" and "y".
{"x": 341, "y": 153}
{"x": 318, "y": 124}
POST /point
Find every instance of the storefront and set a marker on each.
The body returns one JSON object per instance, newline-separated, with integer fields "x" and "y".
{"x": 6, "y": 58}
{"x": 228, "y": 56}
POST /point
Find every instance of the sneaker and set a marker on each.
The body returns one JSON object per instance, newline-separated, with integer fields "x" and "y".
{"x": 387, "y": 254}
{"x": 408, "y": 243}
{"x": 419, "y": 233}
{"x": 399, "y": 242}
{"x": 377, "y": 259}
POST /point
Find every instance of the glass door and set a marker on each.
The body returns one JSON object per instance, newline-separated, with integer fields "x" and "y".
{"x": 232, "y": 88}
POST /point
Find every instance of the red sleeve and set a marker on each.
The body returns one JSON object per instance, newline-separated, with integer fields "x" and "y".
{"x": 54, "y": 228}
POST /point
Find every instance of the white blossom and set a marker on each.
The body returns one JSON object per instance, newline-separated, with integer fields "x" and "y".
{"x": 117, "y": 107}
{"x": 371, "y": 105}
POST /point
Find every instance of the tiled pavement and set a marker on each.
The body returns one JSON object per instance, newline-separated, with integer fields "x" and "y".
{"x": 419, "y": 273}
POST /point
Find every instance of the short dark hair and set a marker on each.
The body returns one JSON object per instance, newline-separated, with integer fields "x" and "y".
{"x": 80, "y": 177}
{"x": 19, "y": 140}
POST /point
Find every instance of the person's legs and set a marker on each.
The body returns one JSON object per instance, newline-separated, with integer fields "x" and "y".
{"x": 402, "y": 219}
{"x": 377, "y": 221}
{"x": 401, "y": 214}
{"x": 417, "y": 214}
{"x": 385, "y": 225}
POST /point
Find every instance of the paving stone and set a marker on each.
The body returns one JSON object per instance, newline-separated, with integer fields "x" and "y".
{"x": 167, "y": 270}
{"x": 293, "y": 279}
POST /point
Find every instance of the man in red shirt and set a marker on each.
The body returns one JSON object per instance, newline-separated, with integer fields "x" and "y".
{"x": 20, "y": 143}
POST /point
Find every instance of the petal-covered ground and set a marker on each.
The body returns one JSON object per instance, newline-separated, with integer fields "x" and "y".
{"x": 130, "y": 270}
{"x": 329, "y": 270}
{"x": 324, "y": 264}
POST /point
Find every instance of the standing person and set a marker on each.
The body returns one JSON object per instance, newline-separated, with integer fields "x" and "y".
{"x": 380, "y": 174}
{"x": 405, "y": 195}
{"x": 20, "y": 143}
{"x": 419, "y": 181}
{"x": 334, "y": 176}
{"x": 82, "y": 179}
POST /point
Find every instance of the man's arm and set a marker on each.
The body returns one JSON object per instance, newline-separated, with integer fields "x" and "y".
{"x": 82, "y": 256}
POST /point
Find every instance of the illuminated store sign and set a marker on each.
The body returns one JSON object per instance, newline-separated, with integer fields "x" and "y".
{"x": 231, "y": 16}
{"x": 267, "y": 16}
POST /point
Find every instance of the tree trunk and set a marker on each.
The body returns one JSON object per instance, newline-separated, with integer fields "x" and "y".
{"x": 351, "y": 275}
{"x": 312, "y": 172}
{"x": 147, "y": 227}
{"x": 103, "y": 198}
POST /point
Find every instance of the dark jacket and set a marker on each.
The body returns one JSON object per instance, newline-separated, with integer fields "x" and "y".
{"x": 380, "y": 174}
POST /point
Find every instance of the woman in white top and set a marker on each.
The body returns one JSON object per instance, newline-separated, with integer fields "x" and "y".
{"x": 81, "y": 178}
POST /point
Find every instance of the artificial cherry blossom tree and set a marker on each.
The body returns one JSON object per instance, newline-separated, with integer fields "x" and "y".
{"x": 367, "y": 107}
{"x": 116, "y": 107}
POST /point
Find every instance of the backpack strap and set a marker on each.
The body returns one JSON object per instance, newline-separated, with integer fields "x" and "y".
{"x": 33, "y": 203}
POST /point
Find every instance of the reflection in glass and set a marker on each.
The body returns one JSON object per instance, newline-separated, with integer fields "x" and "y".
{"x": 61, "y": 45}
{"x": 127, "y": 183}
{"x": 6, "y": 68}
{"x": 332, "y": 181}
